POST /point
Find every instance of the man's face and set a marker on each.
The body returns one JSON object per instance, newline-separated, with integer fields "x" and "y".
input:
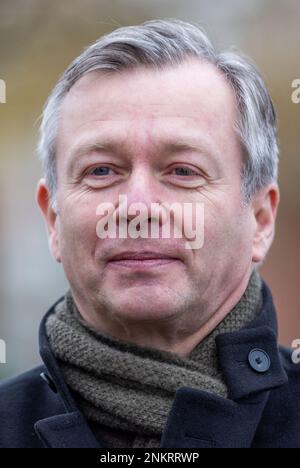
{"x": 154, "y": 136}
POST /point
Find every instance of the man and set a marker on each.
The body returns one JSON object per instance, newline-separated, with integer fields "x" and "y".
{"x": 157, "y": 344}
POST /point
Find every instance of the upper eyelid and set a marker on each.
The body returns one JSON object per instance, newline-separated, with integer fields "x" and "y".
{"x": 90, "y": 169}
{"x": 185, "y": 167}
{"x": 99, "y": 165}
{"x": 197, "y": 171}
{"x": 176, "y": 166}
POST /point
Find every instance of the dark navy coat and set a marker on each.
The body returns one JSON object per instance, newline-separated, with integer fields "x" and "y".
{"x": 263, "y": 409}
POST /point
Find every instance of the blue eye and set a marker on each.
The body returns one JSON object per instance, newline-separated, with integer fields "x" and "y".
{"x": 184, "y": 171}
{"x": 100, "y": 171}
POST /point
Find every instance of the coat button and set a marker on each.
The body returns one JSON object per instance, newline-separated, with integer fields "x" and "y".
{"x": 259, "y": 360}
{"x": 49, "y": 381}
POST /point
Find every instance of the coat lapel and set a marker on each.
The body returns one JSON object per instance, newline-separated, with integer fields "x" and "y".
{"x": 200, "y": 419}
{"x": 68, "y": 430}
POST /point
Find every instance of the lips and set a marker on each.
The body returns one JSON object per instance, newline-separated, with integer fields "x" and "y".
{"x": 142, "y": 259}
{"x": 142, "y": 256}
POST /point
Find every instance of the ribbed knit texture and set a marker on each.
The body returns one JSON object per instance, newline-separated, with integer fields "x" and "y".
{"x": 126, "y": 391}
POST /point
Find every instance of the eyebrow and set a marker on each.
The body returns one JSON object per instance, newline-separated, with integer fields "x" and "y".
{"x": 169, "y": 145}
{"x": 103, "y": 143}
{"x": 187, "y": 144}
{"x": 86, "y": 148}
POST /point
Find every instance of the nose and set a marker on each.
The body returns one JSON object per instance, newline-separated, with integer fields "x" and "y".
{"x": 141, "y": 192}
{"x": 142, "y": 186}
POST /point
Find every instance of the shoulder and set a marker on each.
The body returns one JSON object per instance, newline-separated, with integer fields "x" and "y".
{"x": 22, "y": 389}
{"x": 279, "y": 426}
{"x": 24, "y": 400}
{"x": 291, "y": 362}
{"x": 290, "y": 359}
{"x": 20, "y": 381}
{"x": 290, "y": 391}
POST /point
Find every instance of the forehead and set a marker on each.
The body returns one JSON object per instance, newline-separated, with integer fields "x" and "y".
{"x": 147, "y": 104}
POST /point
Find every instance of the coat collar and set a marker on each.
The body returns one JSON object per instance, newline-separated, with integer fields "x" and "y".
{"x": 246, "y": 387}
{"x": 234, "y": 350}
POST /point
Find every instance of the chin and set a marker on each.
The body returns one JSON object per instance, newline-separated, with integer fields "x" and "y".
{"x": 141, "y": 311}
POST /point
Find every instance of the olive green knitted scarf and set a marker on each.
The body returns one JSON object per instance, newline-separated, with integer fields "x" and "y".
{"x": 126, "y": 389}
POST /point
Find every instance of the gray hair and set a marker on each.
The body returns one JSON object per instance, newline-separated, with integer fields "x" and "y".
{"x": 158, "y": 43}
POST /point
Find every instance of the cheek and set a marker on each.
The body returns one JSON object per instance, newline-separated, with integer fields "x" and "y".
{"x": 78, "y": 231}
{"x": 227, "y": 231}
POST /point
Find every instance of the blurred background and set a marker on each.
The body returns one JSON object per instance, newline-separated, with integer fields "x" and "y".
{"x": 38, "y": 39}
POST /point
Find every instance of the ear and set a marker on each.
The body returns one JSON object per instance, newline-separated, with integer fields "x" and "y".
{"x": 50, "y": 217}
{"x": 265, "y": 205}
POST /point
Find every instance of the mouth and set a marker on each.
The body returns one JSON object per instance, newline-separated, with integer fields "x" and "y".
{"x": 142, "y": 260}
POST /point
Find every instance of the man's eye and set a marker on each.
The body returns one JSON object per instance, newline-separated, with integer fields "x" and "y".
{"x": 185, "y": 171}
{"x": 100, "y": 171}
